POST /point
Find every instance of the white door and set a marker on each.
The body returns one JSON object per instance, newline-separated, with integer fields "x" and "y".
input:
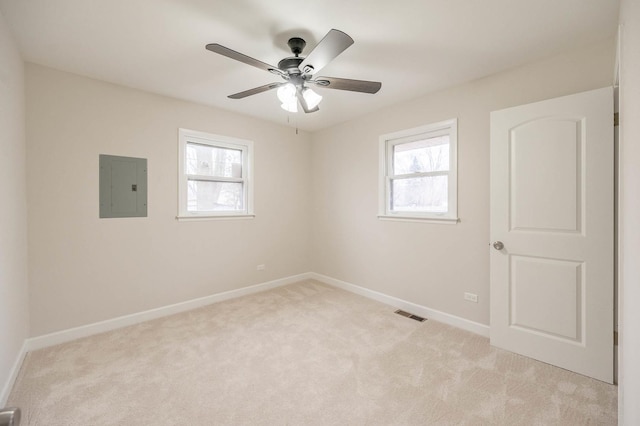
{"x": 552, "y": 210}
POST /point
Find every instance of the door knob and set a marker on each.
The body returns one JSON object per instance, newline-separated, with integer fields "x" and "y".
{"x": 498, "y": 245}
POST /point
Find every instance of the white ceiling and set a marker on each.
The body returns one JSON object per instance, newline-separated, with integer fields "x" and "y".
{"x": 412, "y": 46}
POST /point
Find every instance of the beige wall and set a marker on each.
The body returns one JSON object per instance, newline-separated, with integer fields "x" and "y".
{"x": 429, "y": 264}
{"x": 629, "y": 377}
{"x": 316, "y": 198}
{"x": 84, "y": 269}
{"x": 14, "y": 309}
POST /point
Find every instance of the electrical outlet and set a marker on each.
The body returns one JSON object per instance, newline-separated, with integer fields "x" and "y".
{"x": 471, "y": 297}
{"x": 260, "y": 267}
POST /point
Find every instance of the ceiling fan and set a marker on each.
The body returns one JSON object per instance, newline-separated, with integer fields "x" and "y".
{"x": 299, "y": 72}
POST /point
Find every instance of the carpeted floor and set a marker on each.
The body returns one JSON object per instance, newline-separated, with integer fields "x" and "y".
{"x": 304, "y": 354}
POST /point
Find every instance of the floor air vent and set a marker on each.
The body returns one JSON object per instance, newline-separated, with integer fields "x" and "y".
{"x": 408, "y": 315}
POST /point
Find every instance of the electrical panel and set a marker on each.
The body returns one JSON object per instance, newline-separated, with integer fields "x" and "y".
{"x": 123, "y": 186}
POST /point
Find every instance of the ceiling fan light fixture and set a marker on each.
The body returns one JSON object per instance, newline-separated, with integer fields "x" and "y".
{"x": 287, "y": 94}
{"x": 311, "y": 97}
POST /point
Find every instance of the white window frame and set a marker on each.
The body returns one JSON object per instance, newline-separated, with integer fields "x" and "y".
{"x": 186, "y": 136}
{"x": 386, "y": 175}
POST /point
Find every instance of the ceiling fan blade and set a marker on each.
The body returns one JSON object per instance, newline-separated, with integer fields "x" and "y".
{"x": 255, "y": 90}
{"x": 333, "y": 44}
{"x": 347, "y": 84}
{"x": 225, "y": 51}
{"x": 303, "y": 102}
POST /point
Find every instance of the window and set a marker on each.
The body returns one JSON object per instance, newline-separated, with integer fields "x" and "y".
{"x": 418, "y": 177}
{"x": 215, "y": 176}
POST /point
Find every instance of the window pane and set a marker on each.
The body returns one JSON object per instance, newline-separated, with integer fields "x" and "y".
{"x": 213, "y": 161}
{"x": 205, "y": 196}
{"x": 424, "y": 194}
{"x": 427, "y": 155}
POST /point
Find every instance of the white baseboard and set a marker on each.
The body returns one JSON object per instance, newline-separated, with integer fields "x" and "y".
{"x": 13, "y": 375}
{"x": 423, "y": 311}
{"x": 56, "y": 338}
{"x": 63, "y": 336}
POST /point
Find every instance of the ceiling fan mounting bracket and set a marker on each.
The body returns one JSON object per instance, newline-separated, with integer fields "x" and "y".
{"x": 296, "y": 44}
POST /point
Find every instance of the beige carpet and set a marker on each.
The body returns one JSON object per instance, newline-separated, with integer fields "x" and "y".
{"x": 304, "y": 354}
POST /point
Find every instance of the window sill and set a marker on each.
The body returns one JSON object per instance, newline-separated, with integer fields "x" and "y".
{"x": 442, "y": 221}
{"x": 216, "y": 217}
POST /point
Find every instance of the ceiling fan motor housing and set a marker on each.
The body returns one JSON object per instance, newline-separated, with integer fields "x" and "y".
{"x": 290, "y": 65}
